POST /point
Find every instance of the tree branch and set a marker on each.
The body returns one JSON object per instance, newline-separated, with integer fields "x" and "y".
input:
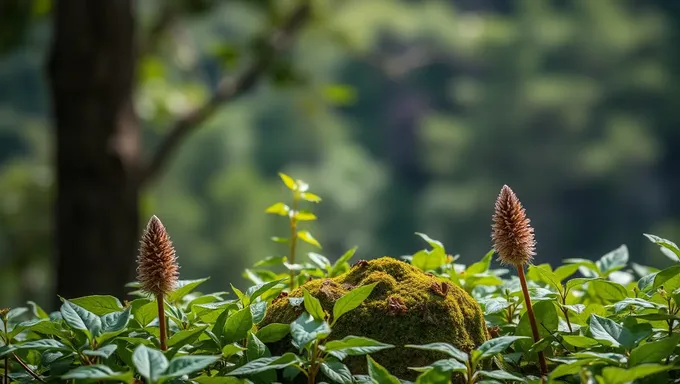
{"x": 164, "y": 21}
{"x": 227, "y": 89}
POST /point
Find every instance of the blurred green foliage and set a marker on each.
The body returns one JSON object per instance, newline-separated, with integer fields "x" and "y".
{"x": 405, "y": 116}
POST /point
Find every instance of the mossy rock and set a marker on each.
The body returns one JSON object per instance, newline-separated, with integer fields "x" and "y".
{"x": 407, "y": 306}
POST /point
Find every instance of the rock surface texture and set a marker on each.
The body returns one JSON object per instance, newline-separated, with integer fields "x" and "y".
{"x": 407, "y": 306}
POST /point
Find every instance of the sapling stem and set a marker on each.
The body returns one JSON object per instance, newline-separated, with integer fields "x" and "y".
{"x": 293, "y": 239}
{"x": 532, "y": 318}
{"x": 161, "y": 322}
{"x": 27, "y": 368}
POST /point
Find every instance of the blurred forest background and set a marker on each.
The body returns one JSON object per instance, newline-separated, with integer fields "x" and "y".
{"x": 403, "y": 115}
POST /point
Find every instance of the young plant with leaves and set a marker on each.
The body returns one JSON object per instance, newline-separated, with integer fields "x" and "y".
{"x": 300, "y": 192}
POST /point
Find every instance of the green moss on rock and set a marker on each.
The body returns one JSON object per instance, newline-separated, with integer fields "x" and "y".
{"x": 407, "y": 306}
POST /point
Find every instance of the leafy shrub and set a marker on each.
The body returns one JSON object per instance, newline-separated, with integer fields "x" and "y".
{"x": 605, "y": 321}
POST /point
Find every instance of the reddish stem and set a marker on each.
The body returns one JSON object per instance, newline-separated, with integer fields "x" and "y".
{"x": 161, "y": 321}
{"x": 532, "y": 318}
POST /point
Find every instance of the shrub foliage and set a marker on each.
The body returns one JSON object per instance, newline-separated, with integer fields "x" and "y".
{"x": 605, "y": 321}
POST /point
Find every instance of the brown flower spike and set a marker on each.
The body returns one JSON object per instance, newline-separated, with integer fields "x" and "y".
{"x": 512, "y": 236}
{"x": 157, "y": 269}
{"x": 514, "y": 242}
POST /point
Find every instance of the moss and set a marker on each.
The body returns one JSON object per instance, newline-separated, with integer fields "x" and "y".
{"x": 407, "y": 306}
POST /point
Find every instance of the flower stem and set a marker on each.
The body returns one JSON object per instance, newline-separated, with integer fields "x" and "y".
{"x": 532, "y": 318}
{"x": 161, "y": 321}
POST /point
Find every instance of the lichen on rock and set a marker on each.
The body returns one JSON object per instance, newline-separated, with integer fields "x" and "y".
{"x": 406, "y": 306}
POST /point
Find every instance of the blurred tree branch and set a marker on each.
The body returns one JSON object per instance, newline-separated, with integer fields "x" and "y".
{"x": 227, "y": 89}
{"x": 168, "y": 15}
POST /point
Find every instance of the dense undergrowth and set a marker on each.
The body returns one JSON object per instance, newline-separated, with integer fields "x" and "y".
{"x": 604, "y": 321}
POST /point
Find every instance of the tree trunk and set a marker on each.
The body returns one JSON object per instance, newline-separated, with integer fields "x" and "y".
{"x": 91, "y": 71}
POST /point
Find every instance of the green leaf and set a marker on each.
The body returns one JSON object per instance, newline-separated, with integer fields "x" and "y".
{"x": 38, "y": 345}
{"x": 653, "y": 352}
{"x": 355, "y": 346}
{"x": 495, "y": 305}
{"x": 444, "y": 365}
{"x": 260, "y": 289}
{"x": 605, "y": 330}
{"x": 103, "y": 352}
{"x": 304, "y": 216}
{"x": 669, "y": 278}
{"x": 312, "y": 198}
{"x": 256, "y": 348}
{"x": 614, "y": 260}
{"x": 232, "y": 349}
{"x": 98, "y": 372}
{"x": 16, "y": 312}
{"x": 280, "y": 209}
{"x": 272, "y": 260}
{"x": 39, "y": 325}
{"x": 241, "y": 296}
{"x": 481, "y": 266}
{"x": 37, "y": 310}
{"x": 115, "y": 321}
{"x": 273, "y": 332}
{"x": 288, "y": 181}
{"x": 308, "y": 238}
{"x": 258, "y": 311}
{"x": 500, "y": 375}
{"x": 185, "y": 365}
{"x": 337, "y": 372}
{"x": 378, "y": 373}
{"x": 434, "y": 376}
{"x": 570, "y": 368}
{"x": 184, "y": 287}
{"x": 443, "y": 348}
{"x": 609, "y": 291}
{"x": 264, "y": 364}
{"x": 497, "y": 345}
{"x": 647, "y": 282}
{"x": 546, "y": 315}
{"x": 428, "y": 260}
{"x": 100, "y": 305}
{"x": 81, "y": 319}
{"x": 320, "y": 261}
{"x": 564, "y": 271}
{"x": 548, "y": 277}
{"x": 435, "y": 244}
{"x": 313, "y": 306}
{"x": 587, "y": 267}
{"x": 351, "y": 300}
{"x": 633, "y": 302}
{"x": 237, "y": 325}
{"x": 145, "y": 313}
{"x": 674, "y": 253}
{"x": 339, "y": 265}
{"x": 306, "y": 329}
{"x": 187, "y": 336}
{"x": 220, "y": 380}
{"x": 579, "y": 341}
{"x": 150, "y": 363}
{"x": 577, "y": 283}
{"x": 611, "y": 333}
{"x": 615, "y": 375}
